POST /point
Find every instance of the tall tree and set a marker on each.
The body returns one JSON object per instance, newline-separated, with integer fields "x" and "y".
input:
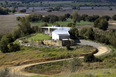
{"x": 76, "y": 17}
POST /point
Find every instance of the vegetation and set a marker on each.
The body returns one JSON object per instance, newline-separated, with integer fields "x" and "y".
{"x": 101, "y": 24}
{"x": 4, "y": 11}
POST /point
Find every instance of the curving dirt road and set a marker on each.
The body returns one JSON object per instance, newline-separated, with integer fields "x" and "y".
{"x": 101, "y": 51}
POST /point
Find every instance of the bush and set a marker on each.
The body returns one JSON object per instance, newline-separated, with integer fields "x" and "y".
{"x": 90, "y": 58}
{"x": 45, "y": 24}
{"x": 23, "y": 11}
{"x": 70, "y": 25}
{"x": 114, "y": 17}
{"x": 68, "y": 47}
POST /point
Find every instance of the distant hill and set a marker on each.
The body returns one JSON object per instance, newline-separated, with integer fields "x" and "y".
{"x": 68, "y": 0}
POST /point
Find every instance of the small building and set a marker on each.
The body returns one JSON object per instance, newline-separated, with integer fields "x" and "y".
{"x": 60, "y": 34}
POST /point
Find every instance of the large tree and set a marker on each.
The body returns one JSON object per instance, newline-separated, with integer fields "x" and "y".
{"x": 101, "y": 23}
{"x": 74, "y": 33}
{"x": 75, "y": 17}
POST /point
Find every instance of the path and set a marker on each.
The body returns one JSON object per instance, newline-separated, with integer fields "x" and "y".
{"x": 101, "y": 51}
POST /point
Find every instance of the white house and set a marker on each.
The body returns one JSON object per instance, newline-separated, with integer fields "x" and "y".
{"x": 61, "y": 34}
{"x": 49, "y": 30}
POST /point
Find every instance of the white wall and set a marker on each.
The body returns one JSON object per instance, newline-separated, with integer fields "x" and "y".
{"x": 55, "y": 36}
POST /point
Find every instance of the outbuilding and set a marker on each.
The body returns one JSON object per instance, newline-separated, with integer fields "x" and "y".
{"x": 60, "y": 34}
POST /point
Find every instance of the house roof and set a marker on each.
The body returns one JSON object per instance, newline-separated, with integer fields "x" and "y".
{"x": 61, "y": 32}
{"x": 54, "y": 27}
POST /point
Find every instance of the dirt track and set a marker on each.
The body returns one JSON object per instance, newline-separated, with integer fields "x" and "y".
{"x": 101, "y": 51}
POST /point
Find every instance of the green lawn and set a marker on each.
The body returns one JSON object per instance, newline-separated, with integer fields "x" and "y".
{"x": 40, "y": 36}
{"x": 64, "y": 23}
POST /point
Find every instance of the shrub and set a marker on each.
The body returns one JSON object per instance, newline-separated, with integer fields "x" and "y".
{"x": 89, "y": 58}
{"x": 68, "y": 47}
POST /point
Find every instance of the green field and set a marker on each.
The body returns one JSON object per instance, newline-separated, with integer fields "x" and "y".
{"x": 64, "y": 23}
{"x": 39, "y": 37}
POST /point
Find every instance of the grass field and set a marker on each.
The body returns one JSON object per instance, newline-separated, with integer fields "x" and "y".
{"x": 64, "y": 23}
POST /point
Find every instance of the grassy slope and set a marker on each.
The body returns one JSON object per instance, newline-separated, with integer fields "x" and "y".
{"x": 28, "y": 53}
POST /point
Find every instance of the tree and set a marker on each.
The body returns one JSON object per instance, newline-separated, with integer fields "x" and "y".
{"x": 16, "y": 33}
{"x": 89, "y": 58}
{"x": 75, "y": 17}
{"x": 84, "y": 17}
{"x": 13, "y": 47}
{"x": 87, "y": 33}
{"x": 92, "y": 18}
{"x": 74, "y": 33}
{"x": 18, "y": 18}
{"x": 62, "y": 18}
{"x": 35, "y": 17}
{"x": 45, "y": 24}
{"x": 25, "y": 26}
{"x": 57, "y": 8}
{"x": 13, "y": 9}
{"x": 114, "y": 17}
{"x": 3, "y": 46}
{"x": 4, "y": 11}
{"x": 70, "y": 25}
{"x": 23, "y": 11}
{"x": 106, "y": 17}
{"x": 101, "y": 24}
{"x": 6, "y": 39}
{"x": 49, "y": 10}
{"x": 67, "y": 15}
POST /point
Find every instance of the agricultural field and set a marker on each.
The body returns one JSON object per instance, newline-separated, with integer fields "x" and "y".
{"x": 8, "y": 23}
{"x": 64, "y": 23}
